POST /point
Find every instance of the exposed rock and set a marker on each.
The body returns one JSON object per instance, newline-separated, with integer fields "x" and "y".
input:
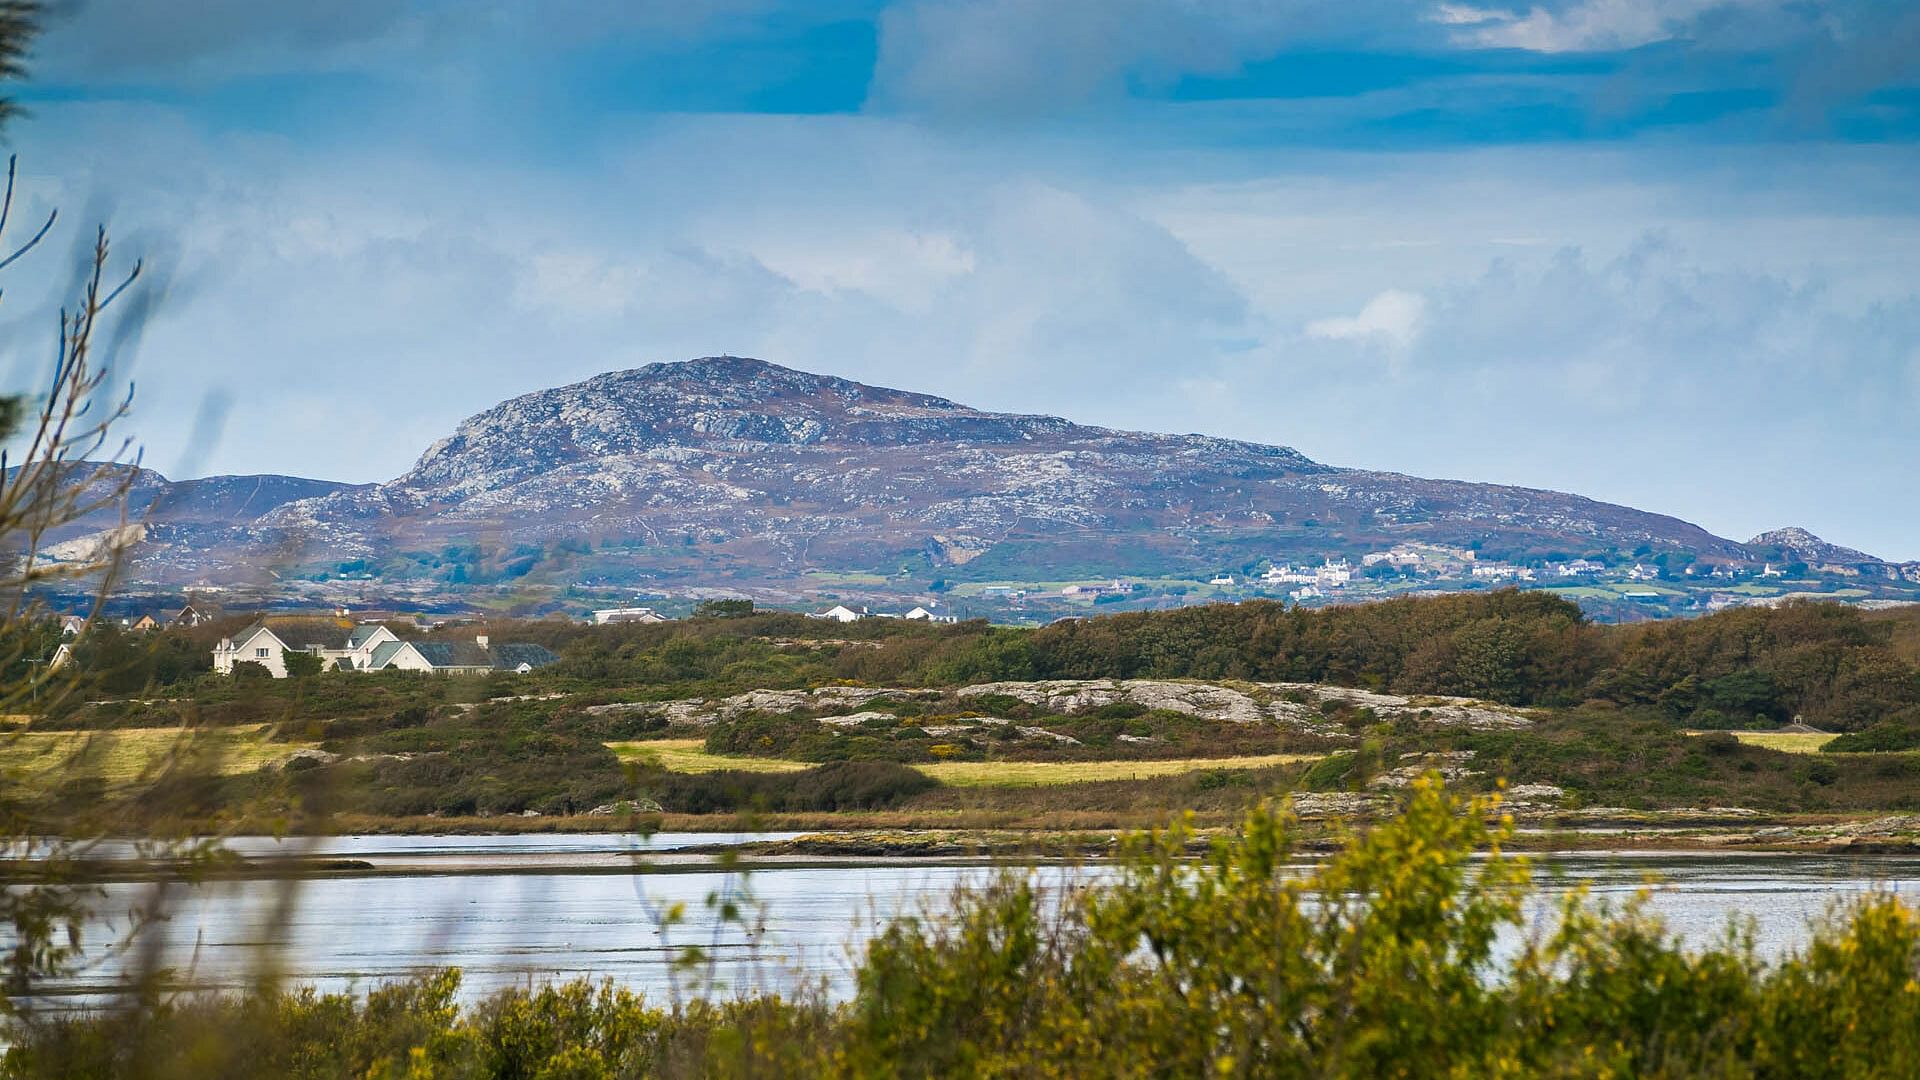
{"x": 1524, "y": 795}
{"x": 700, "y": 711}
{"x": 1451, "y": 766}
{"x": 1433, "y": 712}
{"x": 1604, "y": 815}
{"x": 1803, "y": 545}
{"x": 854, "y": 720}
{"x": 1205, "y": 700}
{"x": 631, "y": 806}
{"x": 1312, "y": 805}
{"x": 1053, "y": 695}
{"x": 1196, "y": 699}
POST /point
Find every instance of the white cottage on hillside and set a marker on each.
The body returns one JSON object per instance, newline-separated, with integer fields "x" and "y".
{"x": 268, "y": 645}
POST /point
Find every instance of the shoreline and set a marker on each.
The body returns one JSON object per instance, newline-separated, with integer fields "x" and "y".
{"x": 830, "y": 841}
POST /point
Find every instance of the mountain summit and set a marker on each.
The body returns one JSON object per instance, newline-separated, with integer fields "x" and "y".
{"x": 1800, "y": 544}
{"x": 727, "y": 471}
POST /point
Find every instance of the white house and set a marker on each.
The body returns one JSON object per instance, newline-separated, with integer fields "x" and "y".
{"x": 187, "y": 618}
{"x": 1401, "y": 556}
{"x": 268, "y": 646}
{"x": 1335, "y": 574}
{"x": 362, "y": 642}
{"x": 73, "y": 625}
{"x": 604, "y": 616}
{"x": 1222, "y": 579}
{"x": 922, "y": 614}
{"x": 842, "y": 613}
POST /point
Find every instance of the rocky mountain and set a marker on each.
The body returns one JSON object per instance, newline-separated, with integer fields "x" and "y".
{"x": 727, "y": 471}
{"x": 1798, "y": 544}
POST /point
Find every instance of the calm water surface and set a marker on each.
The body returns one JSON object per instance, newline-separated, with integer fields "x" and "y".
{"x": 513, "y": 909}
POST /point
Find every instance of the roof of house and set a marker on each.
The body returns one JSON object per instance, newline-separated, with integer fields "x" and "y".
{"x": 511, "y": 654}
{"x": 362, "y": 632}
{"x": 299, "y": 633}
{"x": 383, "y": 652}
{"x": 454, "y": 654}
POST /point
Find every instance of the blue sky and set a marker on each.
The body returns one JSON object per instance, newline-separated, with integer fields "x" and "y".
{"x": 1662, "y": 253}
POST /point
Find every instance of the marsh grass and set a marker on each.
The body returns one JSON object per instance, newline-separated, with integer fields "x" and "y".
{"x": 1787, "y": 742}
{"x": 691, "y": 756}
{"x": 121, "y": 757}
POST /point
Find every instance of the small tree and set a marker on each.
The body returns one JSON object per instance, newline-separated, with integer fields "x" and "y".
{"x": 301, "y": 664}
{"x": 723, "y": 609}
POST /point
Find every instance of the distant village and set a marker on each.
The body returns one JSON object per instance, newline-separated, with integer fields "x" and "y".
{"x": 280, "y": 644}
{"x": 1435, "y": 568}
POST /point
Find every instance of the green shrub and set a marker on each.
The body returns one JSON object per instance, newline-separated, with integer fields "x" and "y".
{"x": 841, "y": 785}
{"x": 1898, "y": 732}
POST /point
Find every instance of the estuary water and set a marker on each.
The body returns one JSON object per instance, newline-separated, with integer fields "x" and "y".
{"x": 511, "y": 910}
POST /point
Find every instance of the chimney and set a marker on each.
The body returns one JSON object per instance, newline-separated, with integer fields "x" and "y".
{"x": 481, "y": 640}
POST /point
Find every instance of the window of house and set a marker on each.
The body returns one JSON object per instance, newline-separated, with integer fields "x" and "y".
{"x": 260, "y": 652}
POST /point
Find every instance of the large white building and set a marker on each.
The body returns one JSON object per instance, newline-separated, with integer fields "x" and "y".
{"x": 604, "y": 616}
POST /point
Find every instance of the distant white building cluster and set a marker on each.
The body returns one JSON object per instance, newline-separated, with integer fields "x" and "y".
{"x": 1116, "y": 587}
{"x": 1332, "y": 574}
{"x": 844, "y": 614}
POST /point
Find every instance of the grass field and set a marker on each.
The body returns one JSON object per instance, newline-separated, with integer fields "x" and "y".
{"x": 1791, "y": 742}
{"x": 119, "y": 757}
{"x": 689, "y": 756}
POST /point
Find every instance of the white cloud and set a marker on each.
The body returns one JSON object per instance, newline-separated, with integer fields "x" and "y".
{"x": 1582, "y": 26}
{"x": 1392, "y": 319}
{"x": 1726, "y": 396}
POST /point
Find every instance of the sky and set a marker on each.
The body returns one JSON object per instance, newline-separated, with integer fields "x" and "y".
{"x": 1659, "y": 252}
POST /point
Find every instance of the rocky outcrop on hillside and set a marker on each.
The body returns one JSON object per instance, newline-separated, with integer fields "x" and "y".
{"x": 1798, "y": 543}
{"x": 1306, "y": 708}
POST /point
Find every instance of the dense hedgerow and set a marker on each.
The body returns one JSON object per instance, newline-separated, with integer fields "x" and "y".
{"x": 1379, "y": 962}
